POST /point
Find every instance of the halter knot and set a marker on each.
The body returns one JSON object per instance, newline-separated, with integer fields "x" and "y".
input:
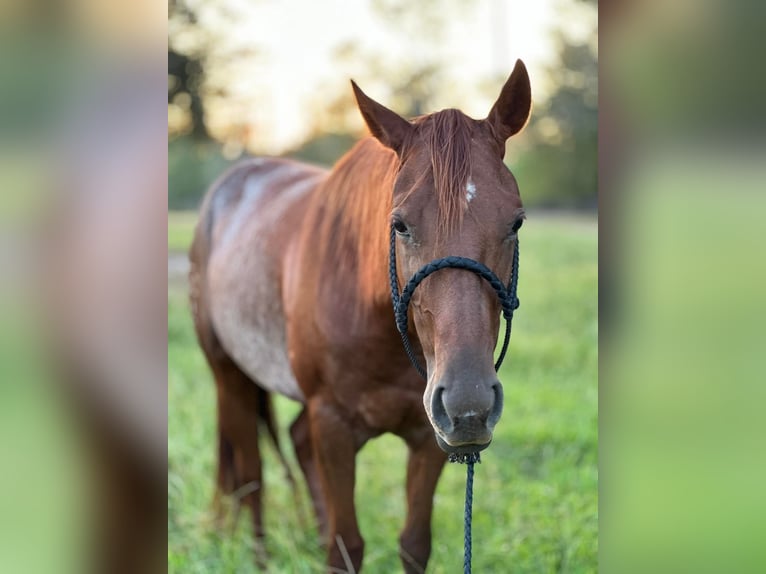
{"x": 509, "y": 304}
{"x": 465, "y": 458}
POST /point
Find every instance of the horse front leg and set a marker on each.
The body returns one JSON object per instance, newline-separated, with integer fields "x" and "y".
{"x": 424, "y": 466}
{"x": 335, "y": 446}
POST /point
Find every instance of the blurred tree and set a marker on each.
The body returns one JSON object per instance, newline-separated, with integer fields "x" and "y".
{"x": 421, "y": 28}
{"x": 323, "y": 148}
{"x": 412, "y": 85}
{"x": 407, "y": 88}
{"x": 203, "y": 57}
{"x": 560, "y": 166}
{"x": 185, "y": 77}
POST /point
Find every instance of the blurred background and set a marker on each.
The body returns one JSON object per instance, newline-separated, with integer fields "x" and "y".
{"x": 273, "y": 78}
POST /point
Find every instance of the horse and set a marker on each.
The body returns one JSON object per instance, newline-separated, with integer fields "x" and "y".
{"x": 290, "y": 293}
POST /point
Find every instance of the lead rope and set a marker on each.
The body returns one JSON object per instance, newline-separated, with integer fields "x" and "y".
{"x": 509, "y": 303}
{"x": 469, "y": 460}
{"x": 467, "y": 516}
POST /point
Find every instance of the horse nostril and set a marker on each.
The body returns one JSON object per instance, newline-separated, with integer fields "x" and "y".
{"x": 497, "y": 406}
{"x": 439, "y": 412}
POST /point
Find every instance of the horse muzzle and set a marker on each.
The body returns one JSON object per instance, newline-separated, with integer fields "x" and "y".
{"x": 464, "y": 419}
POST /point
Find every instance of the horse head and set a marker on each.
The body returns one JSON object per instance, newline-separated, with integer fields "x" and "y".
{"x": 453, "y": 195}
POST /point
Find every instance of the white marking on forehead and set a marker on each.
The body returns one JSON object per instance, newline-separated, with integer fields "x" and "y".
{"x": 470, "y": 191}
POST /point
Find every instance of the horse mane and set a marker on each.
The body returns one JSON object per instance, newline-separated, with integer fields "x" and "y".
{"x": 351, "y": 217}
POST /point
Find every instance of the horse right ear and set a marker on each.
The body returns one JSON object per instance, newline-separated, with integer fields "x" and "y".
{"x": 511, "y": 110}
{"x": 388, "y": 127}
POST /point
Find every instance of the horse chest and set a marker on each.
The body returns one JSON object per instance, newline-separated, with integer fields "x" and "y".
{"x": 391, "y": 409}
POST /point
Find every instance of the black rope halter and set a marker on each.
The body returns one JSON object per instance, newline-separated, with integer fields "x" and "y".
{"x": 509, "y": 303}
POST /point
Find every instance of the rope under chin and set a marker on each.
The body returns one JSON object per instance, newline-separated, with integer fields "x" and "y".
{"x": 509, "y": 303}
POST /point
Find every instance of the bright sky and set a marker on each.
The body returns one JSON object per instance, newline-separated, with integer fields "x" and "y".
{"x": 296, "y": 40}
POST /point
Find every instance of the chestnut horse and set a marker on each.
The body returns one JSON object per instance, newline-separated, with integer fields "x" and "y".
{"x": 290, "y": 295}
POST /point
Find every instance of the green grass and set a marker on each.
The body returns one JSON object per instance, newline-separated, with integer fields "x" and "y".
{"x": 181, "y": 230}
{"x": 535, "y": 500}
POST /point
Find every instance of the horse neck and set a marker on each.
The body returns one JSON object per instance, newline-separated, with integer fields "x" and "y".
{"x": 351, "y": 213}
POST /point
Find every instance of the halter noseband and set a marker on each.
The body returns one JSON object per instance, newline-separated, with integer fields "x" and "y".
{"x": 508, "y": 299}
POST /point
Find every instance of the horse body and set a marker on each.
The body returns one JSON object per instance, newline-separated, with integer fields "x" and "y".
{"x": 290, "y": 294}
{"x": 275, "y": 310}
{"x": 247, "y": 216}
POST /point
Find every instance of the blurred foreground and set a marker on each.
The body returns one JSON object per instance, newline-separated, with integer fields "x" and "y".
{"x": 82, "y": 307}
{"x": 683, "y": 273}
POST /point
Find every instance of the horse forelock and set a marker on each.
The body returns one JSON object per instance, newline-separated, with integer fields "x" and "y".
{"x": 447, "y": 137}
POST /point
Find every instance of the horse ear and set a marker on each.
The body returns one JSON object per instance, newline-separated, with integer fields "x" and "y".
{"x": 388, "y": 127}
{"x": 511, "y": 110}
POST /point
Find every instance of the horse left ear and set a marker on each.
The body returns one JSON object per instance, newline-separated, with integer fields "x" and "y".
{"x": 511, "y": 110}
{"x": 388, "y": 127}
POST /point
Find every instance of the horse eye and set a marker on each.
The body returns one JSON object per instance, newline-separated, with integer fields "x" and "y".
{"x": 400, "y": 227}
{"x": 517, "y": 225}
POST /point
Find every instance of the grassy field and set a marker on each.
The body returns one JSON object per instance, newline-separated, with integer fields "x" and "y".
{"x": 181, "y": 230}
{"x": 536, "y": 492}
